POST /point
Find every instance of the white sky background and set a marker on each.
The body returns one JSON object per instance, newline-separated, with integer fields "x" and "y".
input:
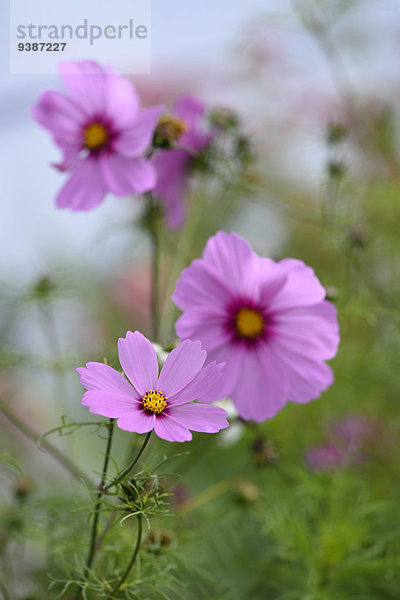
{"x": 33, "y": 233}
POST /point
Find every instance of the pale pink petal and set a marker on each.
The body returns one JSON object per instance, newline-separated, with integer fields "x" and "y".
{"x": 133, "y": 140}
{"x": 172, "y": 181}
{"x": 60, "y": 114}
{"x": 86, "y": 83}
{"x": 192, "y": 111}
{"x": 200, "y": 284}
{"x": 233, "y": 356}
{"x": 207, "y": 324}
{"x": 302, "y": 287}
{"x": 85, "y": 188}
{"x": 307, "y": 377}
{"x": 121, "y": 102}
{"x": 205, "y": 383}
{"x": 311, "y": 331}
{"x": 229, "y": 254}
{"x": 182, "y": 365}
{"x": 138, "y": 421}
{"x": 139, "y": 361}
{"x": 271, "y": 281}
{"x": 70, "y": 155}
{"x": 98, "y": 376}
{"x": 262, "y": 388}
{"x": 108, "y": 404}
{"x": 200, "y": 417}
{"x": 170, "y": 430}
{"x": 124, "y": 176}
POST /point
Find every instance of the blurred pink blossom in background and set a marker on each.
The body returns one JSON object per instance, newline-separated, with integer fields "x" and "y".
{"x": 102, "y": 133}
{"x": 173, "y": 165}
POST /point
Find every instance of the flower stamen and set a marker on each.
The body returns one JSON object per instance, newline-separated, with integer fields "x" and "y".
{"x": 249, "y": 323}
{"x": 154, "y": 401}
{"x": 95, "y": 136}
{"x": 168, "y": 131}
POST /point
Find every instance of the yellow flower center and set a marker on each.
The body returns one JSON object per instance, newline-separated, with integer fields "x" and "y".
{"x": 95, "y": 136}
{"x": 154, "y": 401}
{"x": 249, "y": 323}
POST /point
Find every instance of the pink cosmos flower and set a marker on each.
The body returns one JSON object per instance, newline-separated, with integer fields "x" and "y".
{"x": 267, "y": 321}
{"x": 102, "y": 133}
{"x": 173, "y": 165}
{"x": 151, "y": 401}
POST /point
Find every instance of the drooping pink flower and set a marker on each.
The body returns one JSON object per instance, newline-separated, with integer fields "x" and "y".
{"x": 267, "y": 321}
{"x": 102, "y": 133}
{"x": 173, "y": 165}
{"x": 163, "y": 402}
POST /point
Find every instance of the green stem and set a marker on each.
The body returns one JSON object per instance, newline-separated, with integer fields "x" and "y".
{"x": 155, "y": 267}
{"x": 103, "y": 534}
{"x": 132, "y": 561}
{"x": 3, "y": 590}
{"x": 34, "y": 436}
{"x": 129, "y": 468}
{"x": 93, "y": 537}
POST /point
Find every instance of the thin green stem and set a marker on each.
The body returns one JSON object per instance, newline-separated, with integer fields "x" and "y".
{"x": 129, "y": 468}
{"x": 103, "y": 534}
{"x": 93, "y": 536}
{"x": 155, "y": 266}
{"x": 3, "y": 590}
{"x": 34, "y": 436}
{"x": 133, "y": 558}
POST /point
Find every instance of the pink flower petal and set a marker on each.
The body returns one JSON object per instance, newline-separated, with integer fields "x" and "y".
{"x": 124, "y": 176}
{"x": 312, "y": 332}
{"x": 200, "y": 417}
{"x": 70, "y": 155}
{"x": 182, "y": 365}
{"x": 85, "y": 188}
{"x": 139, "y": 361}
{"x": 61, "y": 115}
{"x": 170, "y": 430}
{"x": 108, "y": 404}
{"x": 172, "y": 181}
{"x": 307, "y": 377}
{"x": 138, "y": 421}
{"x": 229, "y": 254}
{"x": 98, "y": 376}
{"x": 133, "y": 140}
{"x": 121, "y": 102}
{"x": 271, "y": 283}
{"x": 205, "y": 383}
{"x": 200, "y": 284}
{"x": 86, "y": 83}
{"x": 261, "y": 390}
{"x": 192, "y": 110}
{"x": 302, "y": 287}
{"x": 233, "y": 355}
{"x": 207, "y": 324}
